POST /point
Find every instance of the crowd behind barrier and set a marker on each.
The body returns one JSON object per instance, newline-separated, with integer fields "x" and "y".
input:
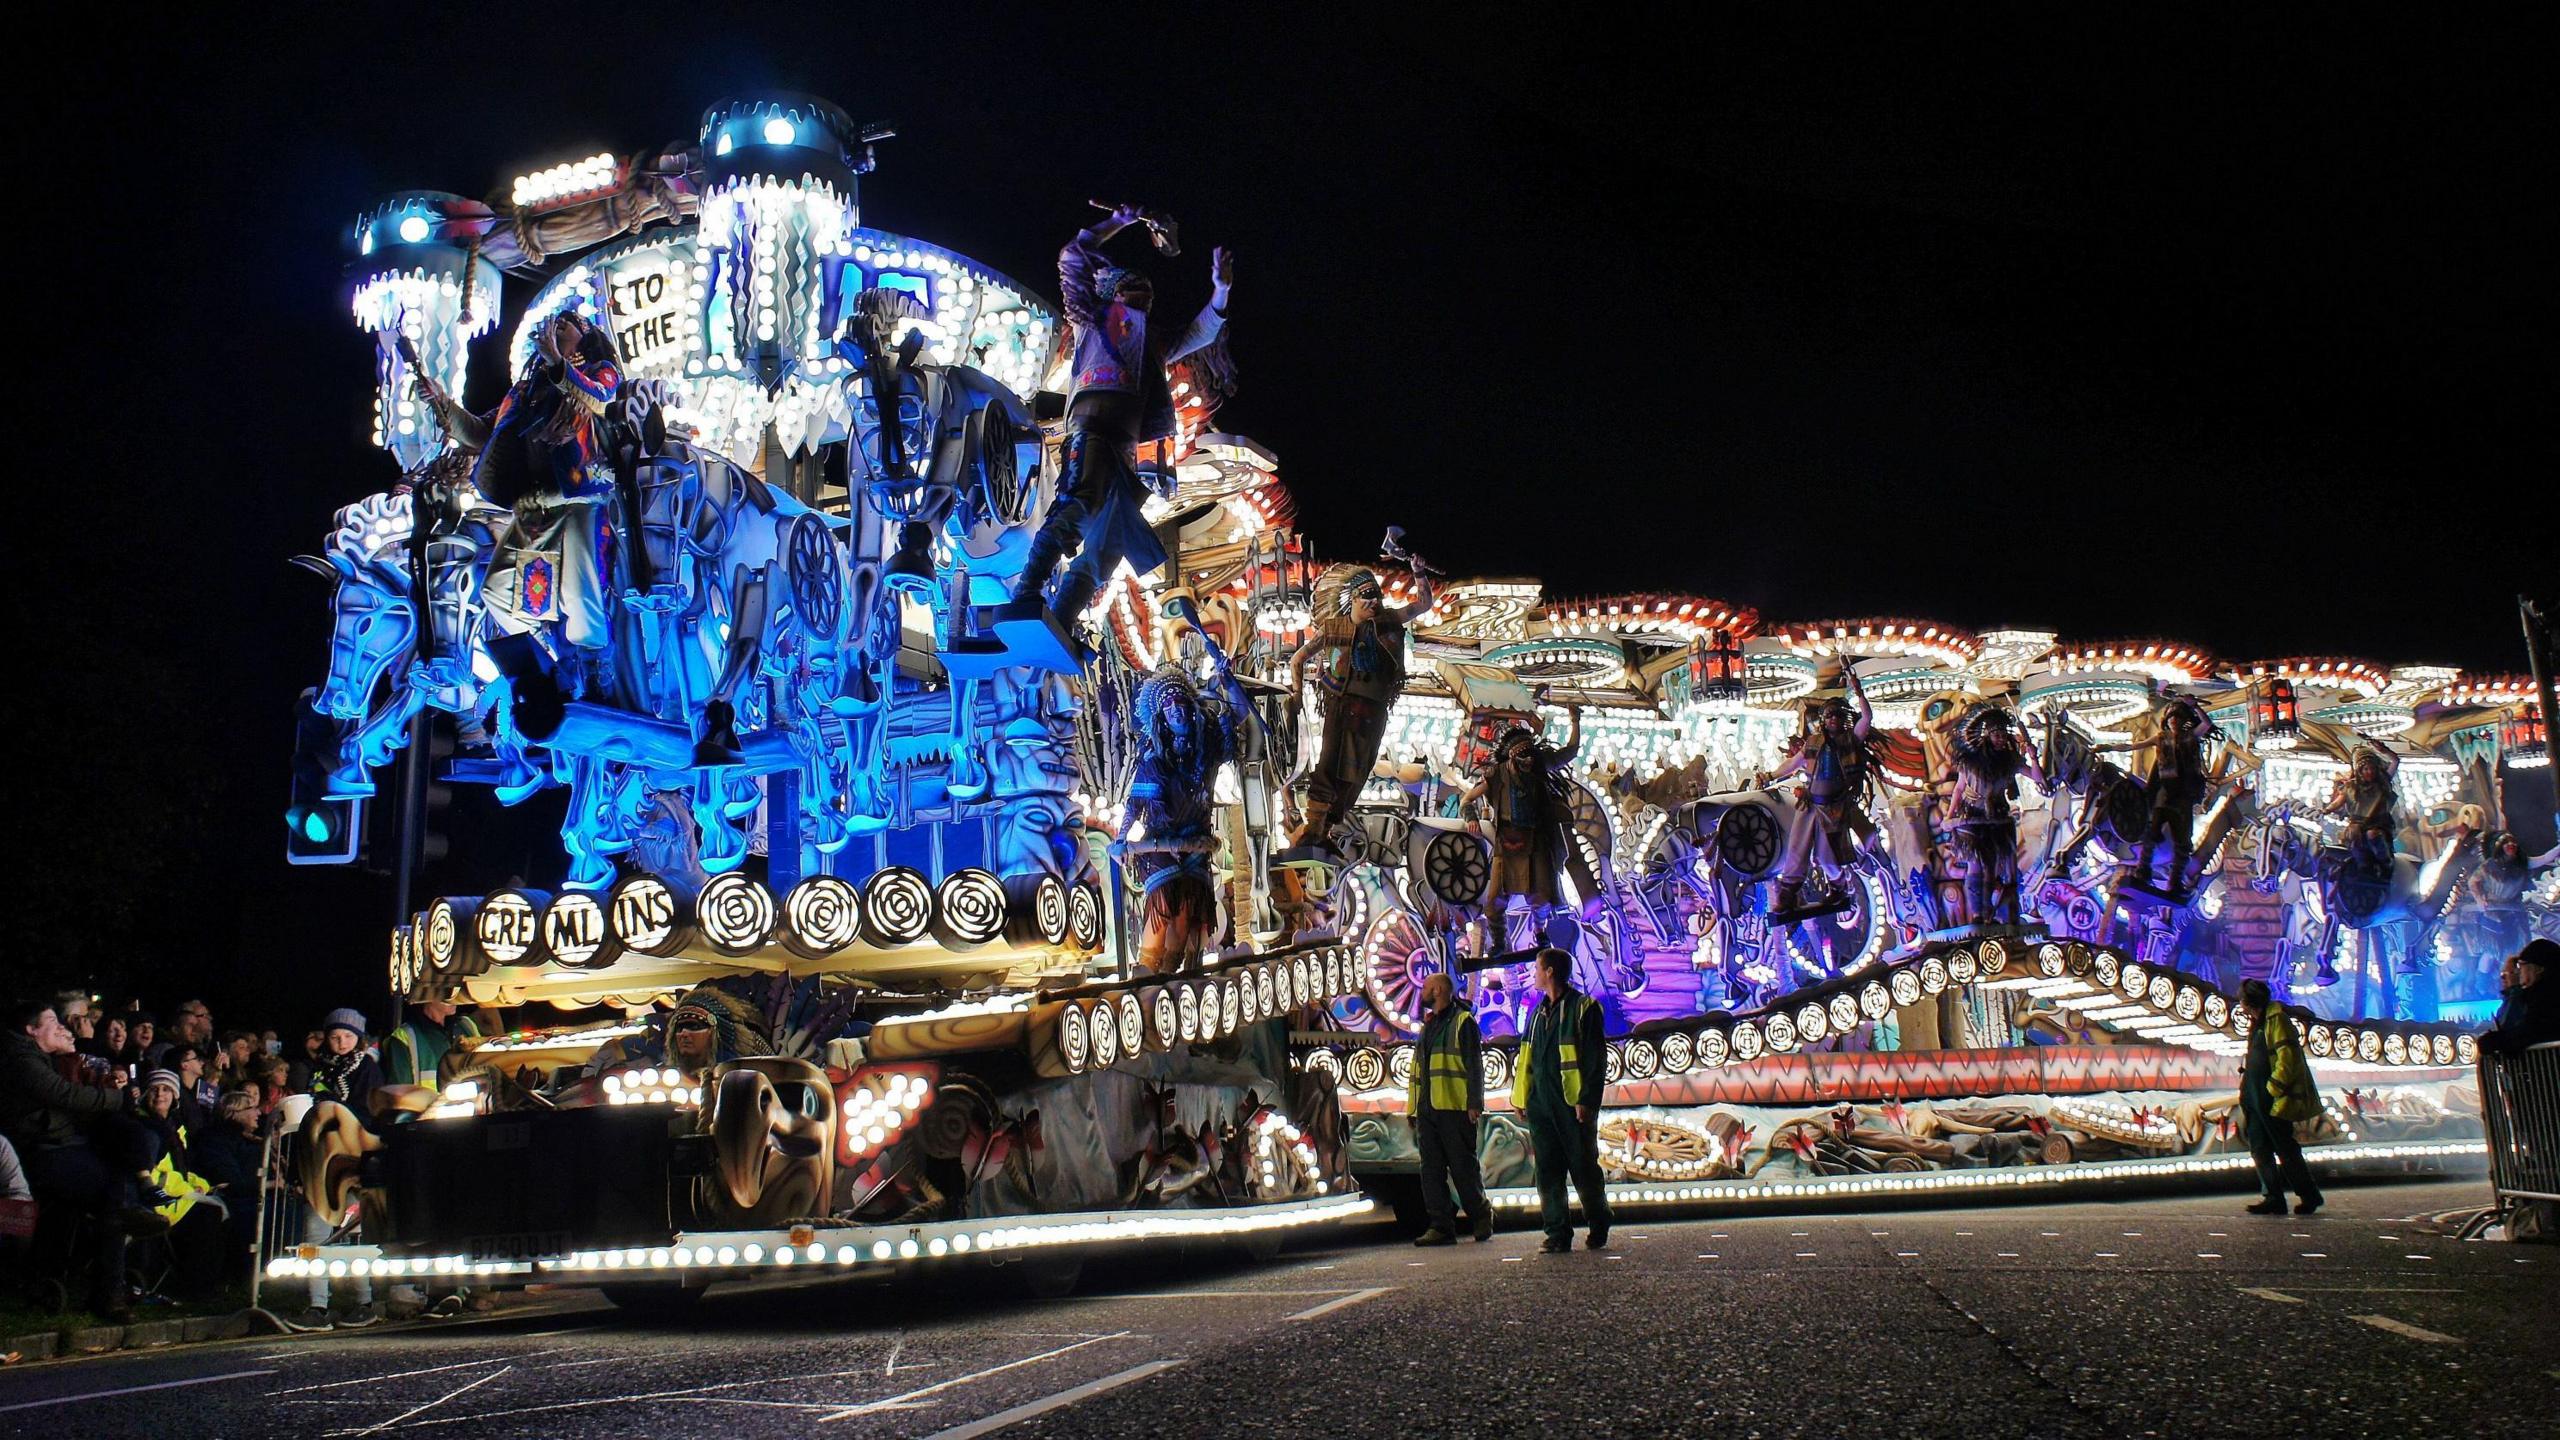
{"x": 146, "y": 1160}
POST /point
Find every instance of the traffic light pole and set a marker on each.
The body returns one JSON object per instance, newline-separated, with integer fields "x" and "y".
{"x": 414, "y": 763}
{"x": 2537, "y": 652}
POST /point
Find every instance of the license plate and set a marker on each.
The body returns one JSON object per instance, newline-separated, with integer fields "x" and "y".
{"x": 532, "y": 1245}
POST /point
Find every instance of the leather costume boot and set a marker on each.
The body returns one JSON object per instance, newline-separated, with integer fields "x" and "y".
{"x": 1043, "y": 558}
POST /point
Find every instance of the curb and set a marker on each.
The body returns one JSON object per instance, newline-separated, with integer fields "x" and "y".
{"x": 142, "y": 1335}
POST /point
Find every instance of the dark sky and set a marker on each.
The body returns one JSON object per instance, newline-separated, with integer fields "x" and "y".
{"x": 2236, "y": 337}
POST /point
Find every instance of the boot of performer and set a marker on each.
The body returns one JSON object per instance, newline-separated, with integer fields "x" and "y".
{"x": 1074, "y": 594}
{"x": 1045, "y": 553}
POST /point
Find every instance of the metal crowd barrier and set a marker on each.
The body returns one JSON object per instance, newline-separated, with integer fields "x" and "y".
{"x": 2520, "y": 1104}
{"x": 282, "y": 1218}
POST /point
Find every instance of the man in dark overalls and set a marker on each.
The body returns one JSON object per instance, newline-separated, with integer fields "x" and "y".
{"x": 1564, "y": 1066}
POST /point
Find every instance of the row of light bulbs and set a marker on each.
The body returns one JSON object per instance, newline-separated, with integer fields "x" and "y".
{"x": 808, "y": 1246}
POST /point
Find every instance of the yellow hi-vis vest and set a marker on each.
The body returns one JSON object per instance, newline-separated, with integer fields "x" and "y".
{"x": 181, "y": 1186}
{"x": 1568, "y": 1020}
{"x": 1443, "y": 1068}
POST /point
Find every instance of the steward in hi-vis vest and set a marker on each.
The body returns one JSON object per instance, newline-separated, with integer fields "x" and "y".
{"x": 1445, "y": 1101}
{"x": 1559, "y": 1078}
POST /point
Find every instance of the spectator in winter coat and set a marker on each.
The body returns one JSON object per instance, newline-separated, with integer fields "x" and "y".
{"x": 81, "y": 1154}
{"x": 2530, "y": 1014}
{"x": 345, "y": 1073}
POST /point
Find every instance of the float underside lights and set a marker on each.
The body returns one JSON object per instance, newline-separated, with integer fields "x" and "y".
{"x": 985, "y": 823}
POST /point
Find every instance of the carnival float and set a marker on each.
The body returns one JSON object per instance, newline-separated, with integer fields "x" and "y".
{"x": 988, "y": 831}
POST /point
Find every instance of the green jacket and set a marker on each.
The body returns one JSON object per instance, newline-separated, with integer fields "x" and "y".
{"x": 412, "y": 1054}
{"x": 2276, "y": 1078}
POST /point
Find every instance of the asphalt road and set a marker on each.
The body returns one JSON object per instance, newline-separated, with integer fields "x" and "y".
{"x": 2170, "y": 1316}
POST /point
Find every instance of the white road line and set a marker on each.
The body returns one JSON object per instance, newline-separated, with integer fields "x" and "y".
{"x": 379, "y": 1427}
{"x": 2402, "y": 1327}
{"x": 643, "y": 1395}
{"x": 1062, "y": 1399}
{"x": 405, "y": 1374}
{"x": 2278, "y": 1296}
{"x": 1207, "y": 1294}
{"x": 134, "y": 1390}
{"x": 1328, "y": 1307}
{"x": 897, "y": 1402}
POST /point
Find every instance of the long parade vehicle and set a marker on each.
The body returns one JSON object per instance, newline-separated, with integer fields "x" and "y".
{"x": 906, "y": 909}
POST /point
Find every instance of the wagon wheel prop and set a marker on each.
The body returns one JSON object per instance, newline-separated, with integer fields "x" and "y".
{"x": 1654, "y": 1147}
{"x": 1398, "y": 958}
{"x": 1747, "y": 840}
{"x": 2128, "y": 810}
{"x": 1593, "y": 830}
{"x": 817, "y": 574}
{"x": 1001, "y": 493}
{"x": 1456, "y": 868}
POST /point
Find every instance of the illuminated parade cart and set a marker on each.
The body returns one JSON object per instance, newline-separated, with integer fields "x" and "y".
{"x": 905, "y": 908}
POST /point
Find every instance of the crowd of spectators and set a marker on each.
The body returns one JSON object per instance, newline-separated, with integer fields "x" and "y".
{"x": 118, "y": 1125}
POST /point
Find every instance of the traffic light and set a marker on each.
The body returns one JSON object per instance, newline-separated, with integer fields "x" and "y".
{"x": 318, "y": 830}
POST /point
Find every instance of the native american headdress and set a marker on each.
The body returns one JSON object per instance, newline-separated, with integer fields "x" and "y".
{"x": 1338, "y": 585}
{"x": 737, "y": 1021}
{"x": 1972, "y": 735}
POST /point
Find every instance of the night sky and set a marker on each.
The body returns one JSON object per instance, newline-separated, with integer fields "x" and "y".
{"x": 2242, "y": 339}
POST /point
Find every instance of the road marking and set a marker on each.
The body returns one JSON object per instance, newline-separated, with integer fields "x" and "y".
{"x": 906, "y": 1401}
{"x": 1328, "y": 1307}
{"x": 2417, "y": 1257}
{"x": 376, "y": 1429}
{"x": 1208, "y": 1294}
{"x": 2208, "y": 1254}
{"x": 2315, "y": 1254}
{"x": 2376, "y": 1289}
{"x": 2278, "y": 1296}
{"x": 1706, "y": 1257}
{"x": 1062, "y": 1399}
{"x": 2006, "y": 1255}
{"x": 2402, "y": 1327}
{"x": 405, "y": 1374}
{"x": 134, "y": 1390}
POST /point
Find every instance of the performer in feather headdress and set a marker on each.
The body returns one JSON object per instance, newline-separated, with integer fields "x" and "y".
{"x": 716, "y": 1020}
{"x": 1183, "y": 736}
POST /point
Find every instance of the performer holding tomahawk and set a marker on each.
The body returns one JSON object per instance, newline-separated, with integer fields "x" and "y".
{"x": 1117, "y": 400}
{"x": 1839, "y": 770}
